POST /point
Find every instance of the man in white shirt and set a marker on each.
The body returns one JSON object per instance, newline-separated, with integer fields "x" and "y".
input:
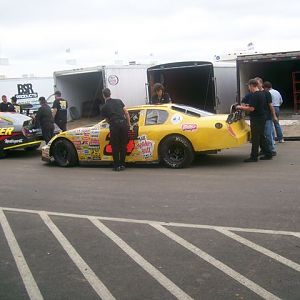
{"x": 276, "y": 102}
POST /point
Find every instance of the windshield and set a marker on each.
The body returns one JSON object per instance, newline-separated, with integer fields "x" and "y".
{"x": 191, "y": 111}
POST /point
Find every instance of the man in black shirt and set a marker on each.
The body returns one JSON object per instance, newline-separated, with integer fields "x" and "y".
{"x": 159, "y": 96}
{"x": 6, "y": 106}
{"x": 45, "y": 120}
{"x": 16, "y": 106}
{"x": 59, "y": 107}
{"x": 256, "y": 107}
{"x": 117, "y": 116}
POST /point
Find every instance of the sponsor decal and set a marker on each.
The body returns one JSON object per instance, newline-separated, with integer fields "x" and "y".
{"x": 25, "y": 91}
{"x": 13, "y": 141}
{"x": 6, "y": 131}
{"x": 145, "y": 146}
{"x": 94, "y": 142}
{"x": 176, "y": 119}
{"x": 189, "y": 127}
{"x": 113, "y": 79}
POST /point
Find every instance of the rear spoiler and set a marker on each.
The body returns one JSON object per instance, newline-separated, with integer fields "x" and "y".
{"x": 235, "y": 115}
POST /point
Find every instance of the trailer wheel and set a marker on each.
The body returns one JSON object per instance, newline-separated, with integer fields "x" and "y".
{"x": 176, "y": 152}
{"x": 64, "y": 153}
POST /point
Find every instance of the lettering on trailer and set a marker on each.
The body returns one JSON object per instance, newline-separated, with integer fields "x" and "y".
{"x": 6, "y": 131}
{"x": 25, "y": 91}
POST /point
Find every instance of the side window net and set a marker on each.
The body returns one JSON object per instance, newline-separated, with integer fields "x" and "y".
{"x": 156, "y": 116}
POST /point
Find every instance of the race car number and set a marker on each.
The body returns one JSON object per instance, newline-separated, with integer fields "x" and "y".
{"x": 6, "y": 131}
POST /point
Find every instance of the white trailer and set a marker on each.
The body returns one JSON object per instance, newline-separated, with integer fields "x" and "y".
{"x": 279, "y": 68}
{"x": 27, "y": 90}
{"x": 202, "y": 84}
{"x": 83, "y": 87}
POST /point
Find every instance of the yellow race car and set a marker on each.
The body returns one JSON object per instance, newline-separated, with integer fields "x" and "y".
{"x": 168, "y": 133}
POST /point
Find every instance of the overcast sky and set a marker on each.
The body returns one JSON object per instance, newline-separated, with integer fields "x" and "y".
{"x": 35, "y": 34}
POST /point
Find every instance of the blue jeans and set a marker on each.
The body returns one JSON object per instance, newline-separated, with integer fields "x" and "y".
{"x": 277, "y": 125}
{"x": 269, "y": 134}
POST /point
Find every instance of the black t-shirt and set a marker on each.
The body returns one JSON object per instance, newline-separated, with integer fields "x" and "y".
{"x": 44, "y": 115}
{"x": 17, "y": 108}
{"x": 112, "y": 110}
{"x": 268, "y": 100}
{"x": 164, "y": 99}
{"x": 6, "y": 107}
{"x": 61, "y": 105}
{"x": 258, "y": 101}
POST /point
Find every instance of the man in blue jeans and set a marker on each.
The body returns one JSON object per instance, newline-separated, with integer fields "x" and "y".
{"x": 276, "y": 102}
{"x": 270, "y": 116}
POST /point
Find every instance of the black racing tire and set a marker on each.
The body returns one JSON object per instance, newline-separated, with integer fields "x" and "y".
{"x": 176, "y": 152}
{"x": 64, "y": 153}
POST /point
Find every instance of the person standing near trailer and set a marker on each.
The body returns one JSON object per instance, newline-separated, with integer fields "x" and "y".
{"x": 45, "y": 120}
{"x": 256, "y": 110}
{"x": 17, "y": 107}
{"x": 117, "y": 116}
{"x": 59, "y": 109}
{"x": 6, "y": 106}
{"x": 159, "y": 96}
{"x": 270, "y": 116}
{"x": 276, "y": 102}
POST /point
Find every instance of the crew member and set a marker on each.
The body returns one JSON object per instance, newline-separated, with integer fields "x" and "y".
{"x": 45, "y": 120}
{"x": 59, "y": 110}
{"x": 159, "y": 95}
{"x": 257, "y": 122}
{"x": 117, "y": 116}
{"x": 6, "y": 106}
{"x": 17, "y": 107}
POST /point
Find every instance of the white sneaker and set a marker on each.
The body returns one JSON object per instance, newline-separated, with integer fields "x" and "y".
{"x": 281, "y": 141}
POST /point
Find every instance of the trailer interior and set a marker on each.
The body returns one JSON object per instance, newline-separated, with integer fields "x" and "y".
{"x": 276, "y": 68}
{"x": 82, "y": 90}
{"x": 189, "y": 83}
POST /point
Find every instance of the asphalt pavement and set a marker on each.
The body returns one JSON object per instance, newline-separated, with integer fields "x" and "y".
{"x": 221, "y": 229}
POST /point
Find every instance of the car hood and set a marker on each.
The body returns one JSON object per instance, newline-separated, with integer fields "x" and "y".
{"x": 14, "y": 117}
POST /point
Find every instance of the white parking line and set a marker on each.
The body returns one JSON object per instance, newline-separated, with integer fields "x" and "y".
{"x": 156, "y": 274}
{"x": 171, "y": 224}
{"x": 85, "y": 269}
{"x": 26, "y": 275}
{"x": 261, "y": 249}
{"x": 216, "y": 263}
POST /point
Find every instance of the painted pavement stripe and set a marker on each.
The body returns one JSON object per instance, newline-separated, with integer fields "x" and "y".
{"x": 170, "y": 224}
{"x": 87, "y": 272}
{"x": 261, "y": 249}
{"x": 27, "y": 277}
{"x": 149, "y": 268}
{"x": 216, "y": 263}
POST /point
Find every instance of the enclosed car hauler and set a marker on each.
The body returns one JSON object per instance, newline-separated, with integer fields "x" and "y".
{"x": 83, "y": 87}
{"x": 200, "y": 84}
{"x": 278, "y": 68}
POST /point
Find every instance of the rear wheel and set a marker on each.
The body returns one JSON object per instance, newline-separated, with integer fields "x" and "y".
{"x": 64, "y": 153}
{"x": 176, "y": 152}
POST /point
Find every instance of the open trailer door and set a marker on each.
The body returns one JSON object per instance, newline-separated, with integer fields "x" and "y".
{"x": 189, "y": 83}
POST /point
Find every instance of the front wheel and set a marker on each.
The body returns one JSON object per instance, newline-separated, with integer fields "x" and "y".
{"x": 176, "y": 152}
{"x": 64, "y": 153}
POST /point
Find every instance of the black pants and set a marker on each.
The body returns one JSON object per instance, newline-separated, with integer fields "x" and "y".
{"x": 61, "y": 124}
{"x": 258, "y": 138}
{"x": 47, "y": 132}
{"x": 118, "y": 141}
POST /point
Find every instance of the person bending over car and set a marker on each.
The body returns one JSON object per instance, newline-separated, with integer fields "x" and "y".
{"x": 117, "y": 116}
{"x": 45, "y": 120}
{"x": 159, "y": 95}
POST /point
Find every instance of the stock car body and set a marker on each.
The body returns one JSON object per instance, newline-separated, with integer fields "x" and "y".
{"x": 168, "y": 133}
{"x": 17, "y": 132}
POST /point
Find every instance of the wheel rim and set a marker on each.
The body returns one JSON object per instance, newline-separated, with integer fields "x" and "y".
{"x": 176, "y": 152}
{"x": 62, "y": 152}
